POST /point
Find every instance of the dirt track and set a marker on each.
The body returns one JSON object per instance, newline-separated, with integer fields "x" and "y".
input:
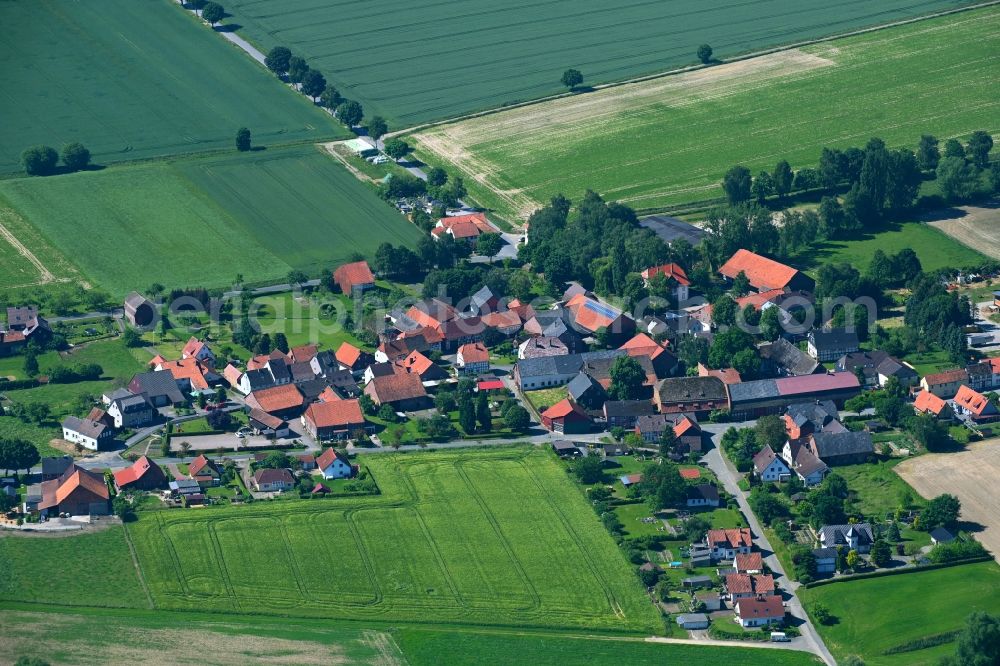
{"x": 979, "y": 228}
{"x": 971, "y": 476}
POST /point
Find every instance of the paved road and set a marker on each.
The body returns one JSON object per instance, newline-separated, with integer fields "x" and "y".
{"x": 728, "y": 475}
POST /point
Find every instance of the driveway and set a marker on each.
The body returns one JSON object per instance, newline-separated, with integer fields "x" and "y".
{"x": 728, "y": 476}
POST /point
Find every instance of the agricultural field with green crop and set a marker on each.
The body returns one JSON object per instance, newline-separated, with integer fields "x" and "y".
{"x": 420, "y": 62}
{"x": 667, "y": 142}
{"x": 468, "y": 538}
{"x": 877, "y": 614}
{"x": 201, "y": 221}
{"x": 133, "y": 79}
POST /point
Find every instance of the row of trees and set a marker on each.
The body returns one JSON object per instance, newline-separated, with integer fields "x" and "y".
{"x": 43, "y": 160}
{"x": 18, "y": 454}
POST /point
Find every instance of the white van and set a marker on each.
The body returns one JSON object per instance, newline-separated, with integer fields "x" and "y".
{"x": 779, "y": 637}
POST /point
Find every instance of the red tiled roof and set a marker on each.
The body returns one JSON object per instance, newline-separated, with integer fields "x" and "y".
{"x": 393, "y": 388}
{"x": 672, "y": 271}
{"x": 329, "y": 395}
{"x": 643, "y": 345}
{"x": 464, "y": 230}
{"x": 563, "y": 408}
{"x": 816, "y": 383}
{"x": 766, "y": 607}
{"x": 735, "y": 538}
{"x": 690, "y": 473}
{"x": 258, "y": 362}
{"x": 199, "y": 464}
{"x": 320, "y": 489}
{"x": 139, "y": 468}
{"x": 477, "y": 220}
{"x": 741, "y": 583}
{"x": 269, "y": 420}
{"x": 81, "y": 478}
{"x": 474, "y": 352}
{"x": 758, "y": 300}
{"x": 505, "y": 319}
{"x": 192, "y": 348}
{"x": 347, "y": 354}
{"x": 748, "y": 562}
{"x": 591, "y": 314}
{"x": 684, "y": 425}
{"x": 302, "y": 353}
{"x": 351, "y": 275}
{"x": 971, "y": 400}
{"x": 415, "y": 363}
{"x": 928, "y": 402}
{"x": 763, "y": 273}
{"x": 328, "y": 456}
{"x": 334, "y": 414}
{"x": 490, "y": 385}
{"x": 232, "y": 374}
{"x": 189, "y": 369}
{"x": 947, "y": 377}
{"x": 276, "y": 398}
{"x": 727, "y": 375}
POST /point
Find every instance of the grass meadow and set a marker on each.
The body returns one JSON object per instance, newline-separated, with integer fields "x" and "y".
{"x": 200, "y": 221}
{"x": 489, "y": 538}
{"x": 876, "y": 614}
{"x": 133, "y": 79}
{"x": 667, "y": 142}
{"x": 415, "y": 62}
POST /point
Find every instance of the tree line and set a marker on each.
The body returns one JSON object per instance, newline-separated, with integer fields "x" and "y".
{"x": 43, "y": 160}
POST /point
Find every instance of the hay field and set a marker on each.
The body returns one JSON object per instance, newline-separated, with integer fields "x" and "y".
{"x": 133, "y": 79}
{"x": 975, "y": 226}
{"x": 668, "y": 141}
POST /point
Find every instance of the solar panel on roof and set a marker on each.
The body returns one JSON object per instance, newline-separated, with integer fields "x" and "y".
{"x": 601, "y": 309}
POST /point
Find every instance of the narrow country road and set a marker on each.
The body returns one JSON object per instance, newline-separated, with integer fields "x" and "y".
{"x": 728, "y": 476}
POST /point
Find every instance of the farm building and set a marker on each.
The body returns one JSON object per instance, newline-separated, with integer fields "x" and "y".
{"x": 76, "y": 492}
{"x": 354, "y": 278}
{"x": 144, "y": 474}
{"x": 696, "y": 395}
{"x": 566, "y": 417}
{"x": 266, "y": 424}
{"x": 765, "y": 274}
{"x": 404, "y": 392}
{"x": 333, "y": 420}
{"x": 945, "y": 384}
{"x": 692, "y": 621}
{"x": 830, "y": 345}
{"x": 750, "y": 400}
{"x": 671, "y": 229}
{"x": 140, "y": 312}
{"x": 472, "y": 359}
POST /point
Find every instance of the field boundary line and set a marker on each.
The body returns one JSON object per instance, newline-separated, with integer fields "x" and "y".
{"x": 138, "y": 569}
{"x": 314, "y": 519}
{"x": 292, "y": 564}
{"x": 172, "y": 554}
{"x": 690, "y": 68}
{"x": 366, "y": 559}
{"x": 223, "y": 569}
{"x": 45, "y": 276}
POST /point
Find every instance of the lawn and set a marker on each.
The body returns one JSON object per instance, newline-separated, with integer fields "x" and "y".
{"x": 202, "y": 221}
{"x": 315, "y": 318}
{"x": 635, "y": 518}
{"x": 414, "y": 62}
{"x": 667, "y": 142}
{"x": 133, "y": 79}
{"x": 879, "y": 613}
{"x": 341, "y": 558}
{"x": 542, "y": 399}
{"x": 879, "y": 490}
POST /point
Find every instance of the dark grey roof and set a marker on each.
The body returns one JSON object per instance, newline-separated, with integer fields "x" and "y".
{"x": 564, "y": 445}
{"x": 654, "y": 422}
{"x": 131, "y": 404}
{"x": 481, "y": 298}
{"x": 819, "y": 412}
{"x": 842, "y": 443}
{"x": 580, "y": 385}
{"x": 343, "y": 381}
{"x": 85, "y": 427}
{"x": 825, "y": 553}
{"x": 765, "y": 457}
{"x": 671, "y": 229}
{"x": 705, "y": 491}
{"x": 865, "y": 359}
{"x": 697, "y": 579}
{"x": 890, "y": 367}
{"x": 279, "y": 370}
{"x": 835, "y": 338}
{"x": 689, "y": 389}
{"x": 833, "y": 535}
{"x": 324, "y": 362}
{"x": 804, "y": 462}
{"x": 692, "y": 618}
{"x": 383, "y": 369}
{"x": 56, "y": 465}
{"x": 312, "y": 388}
{"x": 940, "y": 534}
{"x": 259, "y": 379}
{"x": 750, "y": 391}
{"x": 117, "y": 394}
{"x": 159, "y": 383}
{"x": 301, "y": 371}
{"x": 628, "y": 408}
{"x": 561, "y": 365}
{"x": 788, "y": 357}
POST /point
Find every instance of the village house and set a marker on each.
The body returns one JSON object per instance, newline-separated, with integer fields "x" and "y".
{"x": 748, "y": 563}
{"x": 805, "y": 418}
{"x": 686, "y": 430}
{"x": 92, "y": 435}
{"x": 877, "y": 367}
{"x": 702, "y": 495}
{"x": 354, "y": 278}
{"x": 842, "y": 448}
{"x": 642, "y": 347}
{"x": 765, "y": 274}
{"x": 566, "y": 417}
{"x": 541, "y": 346}
{"x": 404, "y": 392}
{"x": 697, "y": 395}
{"x": 625, "y": 413}
{"x": 928, "y": 403}
{"x": 348, "y": 357}
{"x": 826, "y": 560}
{"x": 334, "y": 420}
{"x": 832, "y": 344}
{"x": 974, "y": 406}
{"x": 284, "y": 401}
{"x": 306, "y": 461}
{"x": 984, "y": 375}
{"x": 677, "y": 280}
{"x": 273, "y": 480}
{"x": 769, "y": 467}
{"x": 759, "y": 612}
{"x": 333, "y": 464}
{"x": 748, "y": 586}
{"x": 549, "y": 371}
{"x": 158, "y": 387}
{"x": 726, "y": 544}
{"x": 140, "y": 312}
{"x": 472, "y": 359}
{"x": 144, "y": 474}
{"x": 857, "y": 536}
{"x": 267, "y": 425}
{"x": 54, "y": 466}
{"x": 945, "y": 384}
{"x": 727, "y": 375}
{"x": 591, "y": 315}
{"x": 751, "y": 400}
{"x": 198, "y": 350}
{"x": 783, "y": 359}
{"x": 810, "y": 469}
{"x": 465, "y": 228}
{"x": 204, "y": 470}
{"x": 421, "y": 366}
{"x": 131, "y": 411}
{"x": 77, "y": 491}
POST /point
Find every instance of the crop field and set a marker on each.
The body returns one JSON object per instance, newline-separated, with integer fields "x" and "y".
{"x": 414, "y": 62}
{"x": 975, "y": 226}
{"x": 668, "y": 141}
{"x": 468, "y": 538}
{"x": 133, "y": 79}
{"x": 876, "y": 614}
{"x": 200, "y": 221}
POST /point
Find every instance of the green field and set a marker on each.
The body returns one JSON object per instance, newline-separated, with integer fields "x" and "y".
{"x": 879, "y": 613}
{"x": 200, "y": 221}
{"x": 475, "y": 538}
{"x": 667, "y": 142}
{"x": 133, "y": 79}
{"x": 414, "y": 62}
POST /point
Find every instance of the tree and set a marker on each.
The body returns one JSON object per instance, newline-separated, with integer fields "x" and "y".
{"x": 942, "y": 511}
{"x": 852, "y": 559}
{"x": 467, "y": 416}
{"x": 726, "y": 345}
{"x": 737, "y": 183}
{"x": 746, "y": 362}
{"x": 928, "y": 153}
{"x": 741, "y": 285}
{"x": 953, "y": 148}
{"x": 821, "y": 613}
{"x": 705, "y": 54}
{"x": 957, "y": 178}
{"x": 281, "y": 342}
{"x": 662, "y": 485}
{"x": 762, "y": 186}
{"x": 571, "y": 78}
{"x": 387, "y": 413}
{"x": 929, "y": 432}
{"x": 517, "y": 419}
{"x": 393, "y": 435}
{"x": 213, "y": 13}
{"x": 39, "y": 160}
{"x": 881, "y": 553}
{"x": 396, "y": 148}
{"x": 330, "y": 98}
{"x": 767, "y": 506}
{"x": 377, "y": 127}
{"x": 483, "y": 414}
{"x": 770, "y": 431}
{"x": 979, "y": 147}
{"x": 313, "y": 84}
{"x": 350, "y": 113}
{"x": 263, "y": 345}
{"x": 782, "y": 178}
{"x": 121, "y": 505}
{"x": 297, "y": 68}
{"x": 277, "y": 59}
{"x": 695, "y": 528}
{"x": 488, "y": 245}
{"x": 588, "y": 469}
{"x": 75, "y": 156}
{"x": 30, "y": 363}
{"x": 627, "y": 377}
{"x": 978, "y": 643}
{"x": 18, "y": 454}
{"x": 724, "y": 311}
{"x": 436, "y": 177}
{"x": 243, "y": 139}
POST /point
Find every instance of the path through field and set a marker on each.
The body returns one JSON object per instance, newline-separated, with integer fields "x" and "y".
{"x": 45, "y": 275}
{"x": 975, "y": 226}
{"x": 971, "y": 476}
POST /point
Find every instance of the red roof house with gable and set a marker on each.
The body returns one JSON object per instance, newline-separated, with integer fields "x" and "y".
{"x": 333, "y": 420}
{"x": 676, "y": 278}
{"x": 766, "y": 274}
{"x": 144, "y": 474}
{"x": 975, "y": 405}
{"x": 354, "y": 278}
{"x": 467, "y": 228}
{"x": 928, "y": 403}
{"x": 566, "y": 417}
